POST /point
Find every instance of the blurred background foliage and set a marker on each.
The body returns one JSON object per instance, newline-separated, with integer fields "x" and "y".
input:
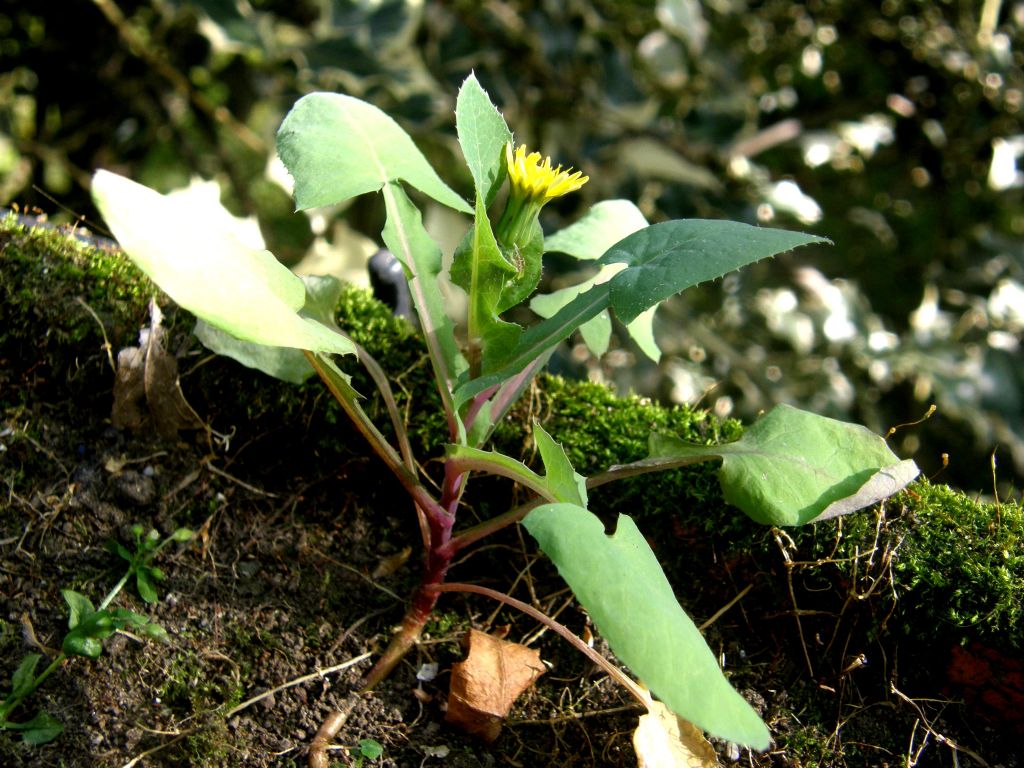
{"x": 893, "y": 128}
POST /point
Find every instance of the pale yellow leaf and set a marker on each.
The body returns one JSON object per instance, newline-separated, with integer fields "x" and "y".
{"x": 663, "y": 740}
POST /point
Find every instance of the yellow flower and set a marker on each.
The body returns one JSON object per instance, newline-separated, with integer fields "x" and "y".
{"x": 536, "y": 180}
{"x": 533, "y": 184}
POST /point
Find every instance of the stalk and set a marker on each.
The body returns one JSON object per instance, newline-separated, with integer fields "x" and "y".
{"x": 440, "y": 521}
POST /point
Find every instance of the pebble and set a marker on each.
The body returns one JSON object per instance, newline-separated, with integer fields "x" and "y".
{"x": 136, "y": 487}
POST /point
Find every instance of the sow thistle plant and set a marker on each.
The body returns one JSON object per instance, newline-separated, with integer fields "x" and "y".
{"x": 790, "y": 467}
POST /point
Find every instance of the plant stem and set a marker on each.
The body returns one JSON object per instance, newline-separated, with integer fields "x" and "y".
{"x": 115, "y": 590}
{"x": 345, "y": 396}
{"x": 479, "y": 531}
{"x": 11, "y": 704}
{"x": 645, "y": 466}
{"x": 440, "y": 520}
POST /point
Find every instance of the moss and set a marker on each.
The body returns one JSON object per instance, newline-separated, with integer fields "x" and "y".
{"x": 194, "y": 691}
{"x": 957, "y": 566}
{"x": 442, "y": 623}
{"x": 962, "y": 564}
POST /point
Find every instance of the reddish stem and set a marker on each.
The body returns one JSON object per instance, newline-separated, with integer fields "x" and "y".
{"x": 440, "y": 521}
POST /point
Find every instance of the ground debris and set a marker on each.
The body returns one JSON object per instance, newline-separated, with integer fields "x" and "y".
{"x": 486, "y": 684}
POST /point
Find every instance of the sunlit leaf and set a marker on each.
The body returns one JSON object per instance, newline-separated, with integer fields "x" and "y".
{"x": 661, "y": 260}
{"x": 483, "y": 135}
{"x": 664, "y": 740}
{"x": 558, "y": 483}
{"x": 605, "y": 224}
{"x": 538, "y": 340}
{"x": 669, "y": 257}
{"x": 565, "y": 482}
{"x": 619, "y": 581}
{"x": 285, "y": 363}
{"x": 337, "y": 147}
{"x": 641, "y": 330}
{"x": 407, "y": 239}
{"x": 480, "y": 268}
{"x": 791, "y": 466}
{"x": 187, "y": 251}
{"x": 597, "y": 332}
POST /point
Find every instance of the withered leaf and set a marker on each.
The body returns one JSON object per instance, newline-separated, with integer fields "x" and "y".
{"x": 663, "y": 740}
{"x": 146, "y": 389}
{"x": 486, "y": 684}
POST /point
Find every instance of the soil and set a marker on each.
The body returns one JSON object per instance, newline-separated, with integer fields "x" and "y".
{"x": 298, "y": 566}
{"x": 277, "y": 585}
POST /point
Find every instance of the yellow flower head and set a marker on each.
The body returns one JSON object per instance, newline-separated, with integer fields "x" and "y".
{"x": 535, "y": 180}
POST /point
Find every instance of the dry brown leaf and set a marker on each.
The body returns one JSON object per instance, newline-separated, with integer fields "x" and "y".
{"x": 386, "y": 566}
{"x": 663, "y": 740}
{"x": 486, "y": 684}
{"x": 146, "y": 389}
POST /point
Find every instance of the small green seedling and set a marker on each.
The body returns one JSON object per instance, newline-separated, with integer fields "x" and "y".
{"x": 368, "y": 749}
{"x": 88, "y": 627}
{"x": 790, "y": 468}
{"x": 147, "y": 547}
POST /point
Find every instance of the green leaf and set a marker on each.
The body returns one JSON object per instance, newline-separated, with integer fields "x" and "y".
{"x": 88, "y": 627}
{"x": 407, "y": 239}
{"x": 566, "y": 484}
{"x": 145, "y": 586}
{"x": 122, "y": 618}
{"x": 528, "y": 261}
{"x": 622, "y": 586}
{"x": 79, "y": 606}
{"x": 793, "y": 467}
{"x": 80, "y": 644}
{"x": 187, "y": 249}
{"x": 660, "y": 260}
{"x": 181, "y": 535}
{"x": 559, "y": 483}
{"x": 641, "y": 330}
{"x": 154, "y": 632}
{"x": 604, "y": 225}
{"x": 483, "y": 135}
{"x": 24, "y": 676}
{"x": 538, "y": 340}
{"x": 370, "y": 749}
{"x": 597, "y": 331}
{"x": 337, "y": 147}
{"x": 41, "y": 729}
{"x": 284, "y": 363}
{"x": 669, "y": 257}
{"x": 116, "y": 548}
{"x": 480, "y": 268}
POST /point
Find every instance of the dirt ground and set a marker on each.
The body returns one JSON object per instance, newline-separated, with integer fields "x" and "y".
{"x": 297, "y": 569}
{"x": 277, "y": 585}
